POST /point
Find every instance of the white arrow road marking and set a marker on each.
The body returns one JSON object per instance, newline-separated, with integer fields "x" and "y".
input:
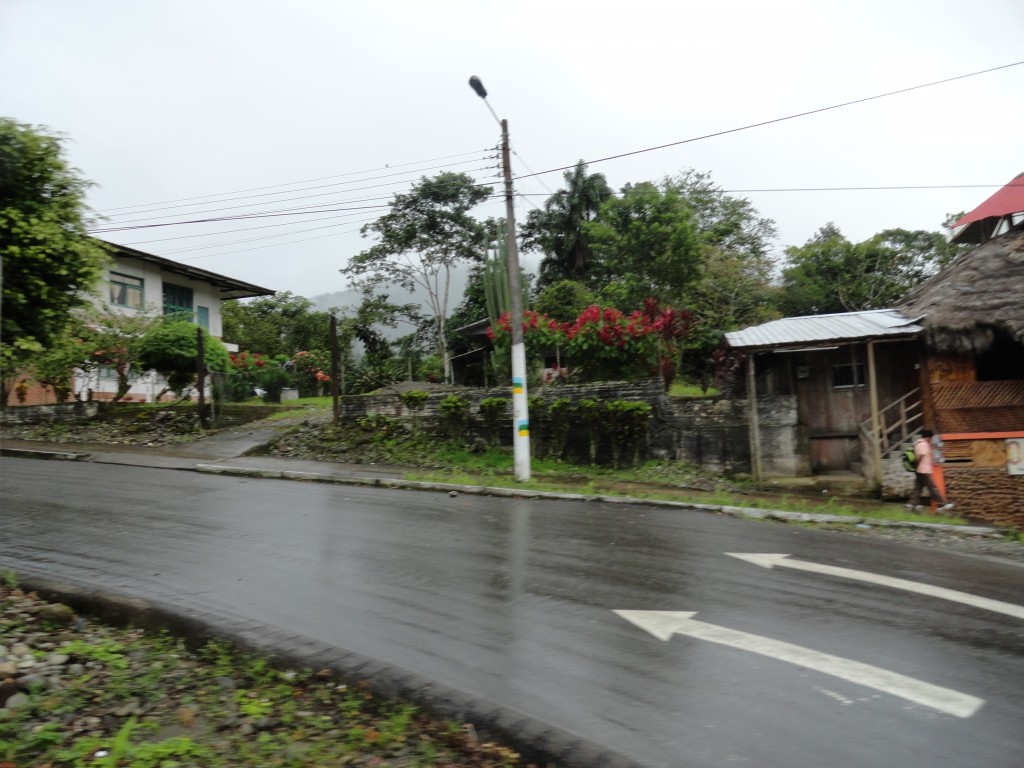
{"x": 664, "y": 624}
{"x": 784, "y": 561}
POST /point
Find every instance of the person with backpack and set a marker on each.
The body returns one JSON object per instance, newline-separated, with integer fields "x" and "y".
{"x": 924, "y": 462}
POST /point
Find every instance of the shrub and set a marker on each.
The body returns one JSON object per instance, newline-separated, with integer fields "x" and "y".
{"x": 415, "y": 401}
{"x": 454, "y": 412}
{"x": 627, "y": 426}
{"x": 590, "y": 413}
{"x": 272, "y": 381}
{"x": 560, "y": 415}
{"x": 494, "y": 412}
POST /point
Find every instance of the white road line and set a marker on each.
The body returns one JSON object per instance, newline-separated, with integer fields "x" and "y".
{"x": 664, "y": 624}
{"x": 784, "y": 561}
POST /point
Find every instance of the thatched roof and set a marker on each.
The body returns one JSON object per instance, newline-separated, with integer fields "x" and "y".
{"x": 980, "y": 294}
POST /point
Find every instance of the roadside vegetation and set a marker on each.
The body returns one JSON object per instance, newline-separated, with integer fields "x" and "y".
{"x": 79, "y": 693}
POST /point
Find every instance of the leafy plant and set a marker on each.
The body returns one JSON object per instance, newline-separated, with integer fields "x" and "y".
{"x": 590, "y": 413}
{"x": 171, "y": 348}
{"x": 251, "y": 705}
{"x": 381, "y": 427}
{"x": 415, "y": 401}
{"x": 107, "y": 652}
{"x": 627, "y": 425}
{"x": 560, "y": 415}
{"x": 494, "y": 413}
{"x": 454, "y": 412}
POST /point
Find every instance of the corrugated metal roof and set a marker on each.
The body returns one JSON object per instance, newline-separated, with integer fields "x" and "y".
{"x": 822, "y": 329}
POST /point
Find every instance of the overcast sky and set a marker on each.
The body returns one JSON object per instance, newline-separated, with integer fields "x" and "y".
{"x": 170, "y": 101}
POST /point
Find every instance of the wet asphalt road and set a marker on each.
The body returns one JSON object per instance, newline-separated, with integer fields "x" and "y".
{"x": 511, "y": 601}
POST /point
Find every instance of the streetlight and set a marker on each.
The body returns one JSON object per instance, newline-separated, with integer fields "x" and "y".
{"x": 520, "y": 410}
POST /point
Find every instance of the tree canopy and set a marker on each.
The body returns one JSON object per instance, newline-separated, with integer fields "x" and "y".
{"x": 831, "y": 274}
{"x": 49, "y": 261}
{"x": 171, "y": 348}
{"x": 647, "y": 244}
{"x": 282, "y": 324}
{"x": 425, "y": 234}
{"x": 558, "y": 230}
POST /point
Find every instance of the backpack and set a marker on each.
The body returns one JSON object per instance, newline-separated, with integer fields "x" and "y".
{"x": 909, "y": 460}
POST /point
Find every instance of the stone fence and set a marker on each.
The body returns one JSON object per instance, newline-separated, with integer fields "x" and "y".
{"x": 711, "y": 432}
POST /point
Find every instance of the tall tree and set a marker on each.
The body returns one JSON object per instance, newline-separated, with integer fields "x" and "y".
{"x": 727, "y": 223}
{"x": 647, "y": 245}
{"x": 558, "y": 231}
{"x": 735, "y": 288}
{"x": 831, "y": 274}
{"x": 50, "y": 264}
{"x": 427, "y": 233}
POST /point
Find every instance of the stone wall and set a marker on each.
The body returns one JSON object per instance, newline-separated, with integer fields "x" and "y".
{"x": 711, "y": 432}
{"x": 43, "y": 414}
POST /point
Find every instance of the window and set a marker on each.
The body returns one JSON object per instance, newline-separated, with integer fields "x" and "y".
{"x": 203, "y": 318}
{"x": 848, "y": 376}
{"x": 126, "y": 291}
{"x": 177, "y": 300}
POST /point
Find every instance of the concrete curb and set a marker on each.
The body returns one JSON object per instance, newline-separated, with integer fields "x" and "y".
{"x": 751, "y": 513}
{"x": 25, "y": 453}
{"x": 536, "y": 741}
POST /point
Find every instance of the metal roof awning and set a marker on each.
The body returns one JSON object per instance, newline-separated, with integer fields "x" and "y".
{"x": 228, "y": 286}
{"x": 820, "y": 330}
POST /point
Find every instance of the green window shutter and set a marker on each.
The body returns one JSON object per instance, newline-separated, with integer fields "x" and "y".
{"x": 178, "y": 300}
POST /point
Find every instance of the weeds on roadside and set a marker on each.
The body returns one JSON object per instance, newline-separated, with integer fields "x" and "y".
{"x": 217, "y": 707}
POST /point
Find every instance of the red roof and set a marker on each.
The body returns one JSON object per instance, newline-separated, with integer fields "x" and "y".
{"x": 1009, "y": 199}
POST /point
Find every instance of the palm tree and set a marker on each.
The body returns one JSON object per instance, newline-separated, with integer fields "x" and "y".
{"x": 558, "y": 231}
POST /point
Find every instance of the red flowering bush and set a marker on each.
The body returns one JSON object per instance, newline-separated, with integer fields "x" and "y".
{"x": 312, "y": 371}
{"x": 604, "y": 343}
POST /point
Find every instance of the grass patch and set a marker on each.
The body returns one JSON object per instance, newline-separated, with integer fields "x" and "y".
{"x": 681, "y": 389}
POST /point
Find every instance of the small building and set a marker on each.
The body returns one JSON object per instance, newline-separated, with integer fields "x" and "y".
{"x": 950, "y": 356}
{"x": 846, "y": 373}
{"x": 136, "y": 282}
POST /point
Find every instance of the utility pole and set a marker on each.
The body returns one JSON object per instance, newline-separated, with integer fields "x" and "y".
{"x": 204, "y": 420}
{"x": 335, "y": 370}
{"x": 520, "y": 407}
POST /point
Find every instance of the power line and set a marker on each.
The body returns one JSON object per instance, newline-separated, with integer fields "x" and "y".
{"x": 292, "y": 183}
{"x": 266, "y": 237}
{"x": 230, "y": 231}
{"x": 233, "y": 218}
{"x": 284, "y": 200}
{"x": 778, "y": 119}
{"x": 244, "y": 217}
{"x": 261, "y": 247}
{"x": 844, "y": 189}
{"x": 302, "y": 189}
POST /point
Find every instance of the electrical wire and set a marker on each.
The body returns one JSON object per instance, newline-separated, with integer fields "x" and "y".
{"x": 292, "y": 183}
{"x": 844, "y": 189}
{"x": 284, "y": 200}
{"x": 302, "y": 189}
{"x": 778, "y": 119}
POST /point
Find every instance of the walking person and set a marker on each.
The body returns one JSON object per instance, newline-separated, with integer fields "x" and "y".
{"x": 923, "y": 474}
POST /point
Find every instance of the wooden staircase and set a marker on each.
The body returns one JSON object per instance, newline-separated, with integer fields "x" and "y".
{"x": 898, "y": 423}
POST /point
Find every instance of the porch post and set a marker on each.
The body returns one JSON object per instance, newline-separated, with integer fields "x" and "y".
{"x": 876, "y": 429}
{"x": 755, "y": 429}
